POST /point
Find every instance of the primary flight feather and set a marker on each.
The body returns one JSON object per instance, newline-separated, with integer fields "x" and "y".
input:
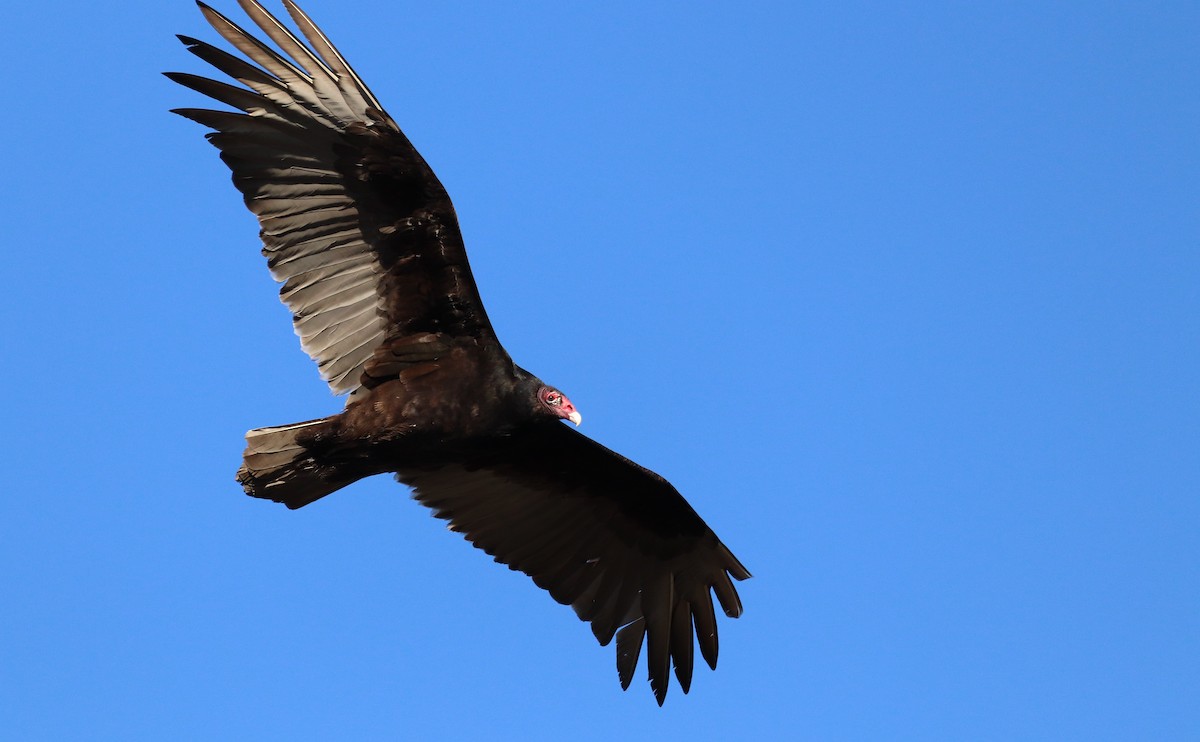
{"x": 366, "y": 244}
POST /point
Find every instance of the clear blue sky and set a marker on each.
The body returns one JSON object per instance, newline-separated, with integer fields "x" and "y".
{"x": 906, "y": 301}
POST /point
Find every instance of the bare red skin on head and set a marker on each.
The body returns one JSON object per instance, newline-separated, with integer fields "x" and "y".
{"x": 558, "y": 404}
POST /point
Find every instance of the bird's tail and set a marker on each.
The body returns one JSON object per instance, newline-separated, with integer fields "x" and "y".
{"x": 278, "y": 466}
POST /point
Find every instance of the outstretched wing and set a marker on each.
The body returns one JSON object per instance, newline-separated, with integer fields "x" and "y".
{"x": 611, "y": 539}
{"x": 354, "y": 222}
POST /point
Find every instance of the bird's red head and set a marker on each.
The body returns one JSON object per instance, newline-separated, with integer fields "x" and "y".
{"x": 557, "y": 404}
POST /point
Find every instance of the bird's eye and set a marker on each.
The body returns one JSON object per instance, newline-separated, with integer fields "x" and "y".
{"x": 554, "y": 399}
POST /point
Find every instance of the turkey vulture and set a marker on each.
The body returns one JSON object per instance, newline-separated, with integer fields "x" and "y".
{"x": 366, "y": 244}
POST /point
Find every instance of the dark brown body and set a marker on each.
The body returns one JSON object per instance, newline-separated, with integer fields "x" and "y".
{"x": 441, "y": 403}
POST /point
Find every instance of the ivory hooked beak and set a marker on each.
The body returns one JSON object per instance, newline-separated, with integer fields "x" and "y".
{"x": 575, "y": 417}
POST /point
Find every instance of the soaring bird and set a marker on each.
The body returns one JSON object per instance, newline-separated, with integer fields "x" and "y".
{"x": 365, "y": 241}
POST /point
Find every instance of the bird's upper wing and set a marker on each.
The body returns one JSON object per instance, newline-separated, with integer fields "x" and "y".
{"x": 354, "y": 222}
{"x": 611, "y": 539}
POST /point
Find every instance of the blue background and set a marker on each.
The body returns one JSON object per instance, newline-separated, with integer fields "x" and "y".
{"x": 905, "y": 300}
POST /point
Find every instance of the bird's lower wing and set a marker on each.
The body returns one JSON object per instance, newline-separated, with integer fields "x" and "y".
{"x": 609, "y": 538}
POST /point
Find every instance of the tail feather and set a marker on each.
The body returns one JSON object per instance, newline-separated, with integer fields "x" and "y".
{"x": 277, "y": 466}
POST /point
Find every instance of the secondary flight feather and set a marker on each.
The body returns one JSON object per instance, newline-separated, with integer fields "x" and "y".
{"x": 365, "y": 241}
